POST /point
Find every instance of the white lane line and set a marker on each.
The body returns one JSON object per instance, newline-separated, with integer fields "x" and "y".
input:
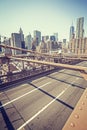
{"x": 45, "y": 107}
{"x": 23, "y": 85}
{"x": 39, "y": 79}
{"x": 23, "y": 95}
{"x": 77, "y": 78}
{"x": 54, "y": 73}
{"x": 62, "y": 70}
{"x": 14, "y": 88}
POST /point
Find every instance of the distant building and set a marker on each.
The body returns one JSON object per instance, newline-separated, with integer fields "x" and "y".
{"x": 23, "y": 47}
{"x": 64, "y": 41}
{"x": 56, "y": 36}
{"x": 33, "y": 45}
{"x": 54, "y": 45}
{"x": 42, "y": 39}
{"x": 80, "y": 28}
{"x": 3, "y": 40}
{"x": 60, "y": 45}
{"x": 16, "y": 42}
{"x": 45, "y": 38}
{"x": 28, "y": 42}
{"x": 52, "y": 38}
{"x": 8, "y": 51}
{"x": 0, "y": 43}
{"x": 78, "y": 46}
{"x": 65, "y": 46}
{"x": 21, "y": 34}
{"x": 71, "y": 32}
{"x": 43, "y": 47}
{"x": 37, "y": 36}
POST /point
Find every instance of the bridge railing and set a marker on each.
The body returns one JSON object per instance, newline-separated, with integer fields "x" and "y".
{"x": 17, "y": 76}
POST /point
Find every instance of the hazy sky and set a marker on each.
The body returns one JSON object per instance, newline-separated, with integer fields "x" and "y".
{"x": 47, "y": 16}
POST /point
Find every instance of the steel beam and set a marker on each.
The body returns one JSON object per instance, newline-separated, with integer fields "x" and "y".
{"x": 66, "y": 66}
{"x": 78, "y": 118}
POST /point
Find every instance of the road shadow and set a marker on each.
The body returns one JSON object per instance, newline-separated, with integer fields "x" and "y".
{"x": 6, "y": 118}
{"x": 72, "y": 84}
{"x": 53, "y": 97}
{"x": 14, "y": 84}
{"x": 71, "y": 74}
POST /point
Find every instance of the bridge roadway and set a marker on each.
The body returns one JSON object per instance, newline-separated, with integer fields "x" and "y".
{"x": 42, "y": 102}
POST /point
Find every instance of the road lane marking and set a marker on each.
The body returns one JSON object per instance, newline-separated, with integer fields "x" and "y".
{"x": 39, "y": 79}
{"x": 23, "y": 85}
{"x": 18, "y": 88}
{"x": 54, "y": 73}
{"x": 62, "y": 70}
{"x": 24, "y": 95}
{"x": 45, "y": 107}
{"x": 77, "y": 78}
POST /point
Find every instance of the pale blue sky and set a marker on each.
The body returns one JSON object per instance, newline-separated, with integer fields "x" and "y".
{"x": 47, "y": 16}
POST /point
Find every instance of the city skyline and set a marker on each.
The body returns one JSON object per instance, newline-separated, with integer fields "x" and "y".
{"x": 47, "y": 16}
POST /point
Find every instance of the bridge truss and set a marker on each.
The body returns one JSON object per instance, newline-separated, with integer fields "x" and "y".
{"x": 34, "y": 62}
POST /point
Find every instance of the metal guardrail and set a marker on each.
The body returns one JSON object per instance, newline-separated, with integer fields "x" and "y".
{"x": 24, "y": 74}
{"x": 66, "y": 66}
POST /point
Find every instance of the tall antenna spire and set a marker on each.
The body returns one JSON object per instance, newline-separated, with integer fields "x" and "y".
{"x": 20, "y": 31}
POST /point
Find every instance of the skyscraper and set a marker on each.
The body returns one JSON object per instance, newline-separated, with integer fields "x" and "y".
{"x": 21, "y": 34}
{"x": 28, "y": 41}
{"x": 52, "y": 38}
{"x": 71, "y": 32}
{"x": 80, "y": 28}
{"x": 64, "y": 41}
{"x": 0, "y": 43}
{"x": 45, "y": 38}
{"x": 37, "y": 36}
{"x": 56, "y": 36}
{"x": 16, "y": 42}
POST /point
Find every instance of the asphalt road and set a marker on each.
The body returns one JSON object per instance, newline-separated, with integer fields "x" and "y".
{"x": 41, "y": 103}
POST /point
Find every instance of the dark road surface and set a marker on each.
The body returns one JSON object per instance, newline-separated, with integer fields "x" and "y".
{"x": 44, "y": 103}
